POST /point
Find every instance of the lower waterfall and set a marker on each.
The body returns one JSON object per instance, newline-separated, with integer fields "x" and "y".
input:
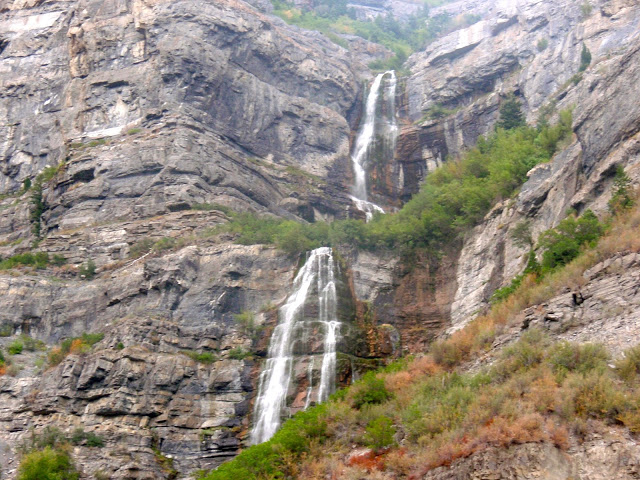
{"x": 316, "y": 277}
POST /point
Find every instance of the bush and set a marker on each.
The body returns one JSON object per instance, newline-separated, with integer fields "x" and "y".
{"x": 140, "y": 248}
{"x": 628, "y": 367}
{"x": 38, "y": 260}
{"x": 621, "y": 198}
{"x": 238, "y": 353}
{"x": 89, "y": 439}
{"x": 15, "y": 347}
{"x": 200, "y": 357}
{"x": 569, "y": 357}
{"x": 370, "y": 391}
{"x": 565, "y": 242}
{"x": 511, "y": 114}
{"x": 32, "y": 344}
{"x": 76, "y": 345}
{"x": 379, "y": 433}
{"x": 47, "y": 464}
{"x": 88, "y": 270}
{"x": 542, "y": 45}
{"x": 585, "y": 58}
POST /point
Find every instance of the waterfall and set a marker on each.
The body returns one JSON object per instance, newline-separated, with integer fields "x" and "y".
{"x": 317, "y": 276}
{"x": 374, "y": 128}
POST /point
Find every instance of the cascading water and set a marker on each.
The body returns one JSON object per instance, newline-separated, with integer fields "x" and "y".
{"x": 319, "y": 272}
{"x": 375, "y": 128}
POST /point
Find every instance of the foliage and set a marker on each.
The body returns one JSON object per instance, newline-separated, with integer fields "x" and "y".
{"x": 371, "y": 391}
{"x": 621, "y": 198}
{"x": 565, "y": 242}
{"x": 379, "y": 433}
{"x": 246, "y": 320}
{"x": 200, "y": 357}
{"x": 37, "y": 260}
{"x": 511, "y": 115}
{"x": 47, "y": 464}
{"x": 532, "y": 270}
{"x": 88, "y": 270}
{"x": 332, "y": 17}
{"x": 277, "y": 458}
{"x": 542, "y": 44}
{"x": 15, "y": 347}
{"x": 238, "y": 353}
{"x": 453, "y": 199}
{"x": 90, "y": 439}
{"x": 585, "y": 58}
{"x": 76, "y": 345}
{"x": 32, "y": 344}
{"x": 628, "y": 367}
{"x": 521, "y": 234}
{"x": 586, "y": 8}
{"x": 26, "y": 184}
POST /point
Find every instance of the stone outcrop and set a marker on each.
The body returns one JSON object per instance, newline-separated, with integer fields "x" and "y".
{"x": 156, "y": 106}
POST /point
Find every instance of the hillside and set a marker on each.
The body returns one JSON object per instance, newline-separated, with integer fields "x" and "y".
{"x": 172, "y": 174}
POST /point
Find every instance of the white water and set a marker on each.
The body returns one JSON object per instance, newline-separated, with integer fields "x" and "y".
{"x": 276, "y": 376}
{"x": 367, "y": 137}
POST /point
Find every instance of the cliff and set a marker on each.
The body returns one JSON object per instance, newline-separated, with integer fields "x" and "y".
{"x": 155, "y": 121}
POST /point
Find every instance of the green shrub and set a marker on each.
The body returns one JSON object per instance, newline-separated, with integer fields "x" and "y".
{"x": 511, "y": 115}
{"x": 371, "y": 391}
{"x": 585, "y": 58}
{"x": 120, "y": 346}
{"x": 88, "y": 270}
{"x": 26, "y": 184}
{"x": 542, "y": 45}
{"x": 581, "y": 358}
{"x": 15, "y": 347}
{"x": 38, "y": 260}
{"x": 596, "y": 395}
{"x": 6, "y": 330}
{"x": 200, "y": 357}
{"x": 141, "y": 248}
{"x": 628, "y": 367}
{"x": 90, "y": 439}
{"x": 246, "y": 320}
{"x": 621, "y": 198}
{"x": 586, "y": 8}
{"x": 565, "y": 242}
{"x": 58, "y": 260}
{"x": 133, "y": 131}
{"x": 32, "y": 344}
{"x": 165, "y": 243}
{"x": 379, "y": 433}
{"x": 238, "y": 353}
{"x": 47, "y": 464}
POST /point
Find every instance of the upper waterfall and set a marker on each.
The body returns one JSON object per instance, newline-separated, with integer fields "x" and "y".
{"x": 317, "y": 276}
{"x": 375, "y": 128}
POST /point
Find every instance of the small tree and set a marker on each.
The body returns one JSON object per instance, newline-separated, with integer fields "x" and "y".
{"x": 379, "y": 433}
{"x": 511, "y": 115}
{"x": 621, "y": 198}
{"x": 585, "y": 58}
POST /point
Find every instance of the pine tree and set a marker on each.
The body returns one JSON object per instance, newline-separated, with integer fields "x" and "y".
{"x": 511, "y": 115}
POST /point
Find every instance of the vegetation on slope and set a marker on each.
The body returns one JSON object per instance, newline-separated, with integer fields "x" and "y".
{"x": 333, "y": 17}
{"x": 453, "y": 199}
{"x": 537, "y": 390}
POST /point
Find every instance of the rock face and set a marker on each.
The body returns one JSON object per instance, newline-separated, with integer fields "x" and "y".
{"x": 146, "y": 109}
{"x": 157, "y": 106}
{"x": 470, "y": 70}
